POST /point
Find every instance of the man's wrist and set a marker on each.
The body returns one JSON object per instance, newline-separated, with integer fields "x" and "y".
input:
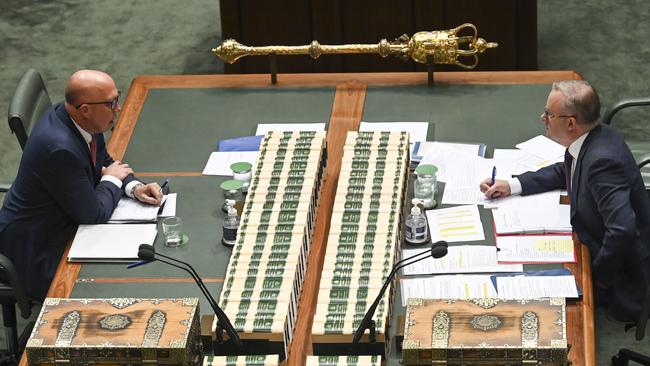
{"x": 131, "y": 187}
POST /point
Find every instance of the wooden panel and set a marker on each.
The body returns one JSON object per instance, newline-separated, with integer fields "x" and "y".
{"x": 511, "y": 23}
{"x": 286, "y": 22}
{"x": 230, "y": 28}
{"x": 368, "y": 21}
{"x": 495, "y": 21}
{"x": 327, "y": 29}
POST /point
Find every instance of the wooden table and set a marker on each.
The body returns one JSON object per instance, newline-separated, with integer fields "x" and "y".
{"x": 347, "y": 109}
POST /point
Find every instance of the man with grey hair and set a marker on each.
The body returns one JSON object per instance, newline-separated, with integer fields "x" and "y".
{"x": 610, "y": 209}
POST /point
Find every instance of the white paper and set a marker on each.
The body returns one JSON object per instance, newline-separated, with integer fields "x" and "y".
{"x": 132, "y": 210}
{"x": 545, "y": 199}
{"x": 466, "y": 149}
{"x": 220, "y": 161}
{"x": 461, "y": 223}
{"x": 110, "y": 242}
{"x": 536, "y": 248}
{"x": 529, "y": 287}
{"x": 416, "y": 130}
{"x": 523, "y": 219}
{"x": 543, "y": 147}
{"x": 263, "y": 128}
{"x": 169, "y": 209}
{"x": 460, "y": 259}
{"x": 447, "y": 287}
{"x": 524, "y": 161}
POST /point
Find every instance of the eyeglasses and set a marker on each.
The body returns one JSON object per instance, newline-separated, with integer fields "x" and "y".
{"x": 113, "y": 103}
{"x": 548, "y": 116}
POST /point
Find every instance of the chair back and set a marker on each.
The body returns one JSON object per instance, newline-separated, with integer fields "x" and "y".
{"x": 28, "y": 104}
{"x": 11, "y": 291}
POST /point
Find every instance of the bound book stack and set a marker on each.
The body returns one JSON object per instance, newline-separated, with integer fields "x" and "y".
{"x": 264, "y": 277}
{"x": 344, "y": 361}
{"x": 252, "y": 360}
{"x": 364, "y": 234}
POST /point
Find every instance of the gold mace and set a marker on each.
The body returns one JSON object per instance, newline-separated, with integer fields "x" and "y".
{"x": 443, "y": 46}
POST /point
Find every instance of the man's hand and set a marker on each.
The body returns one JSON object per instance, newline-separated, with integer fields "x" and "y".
{"x": 149, "y": 194}
{"x": 118, "y": 169}
{"x": 500, "y": 189}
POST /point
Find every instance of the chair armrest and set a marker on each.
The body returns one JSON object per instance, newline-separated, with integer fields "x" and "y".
{"x": 625, "y": 103}
{"x": 4, "y": 187}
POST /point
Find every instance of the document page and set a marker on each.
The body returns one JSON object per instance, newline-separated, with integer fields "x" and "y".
{"x": 263, "y": 128}
{"x": 110, "y": 242}
{"x": 525, "y": 219}
{"x": 528, "y": 287}
{"x": 536, "y": 249}
{"x": 543, "y": 147}
{"x": 417, "y": 130}
{"x": 460, "y": 223}
{"x": 132, "y": 210}
{"x": 220, "y": 161}
{"x": 447, "y": 287}
{"x": 460, "y": 259}
{"x": 169, "y": 206}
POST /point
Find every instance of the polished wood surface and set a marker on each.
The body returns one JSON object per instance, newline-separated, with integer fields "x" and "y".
{"x": 346, "y": 114}
{"x": 347, "y": 110}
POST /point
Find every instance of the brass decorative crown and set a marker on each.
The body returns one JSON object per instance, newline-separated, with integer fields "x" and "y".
{"x": 444, "y": 47}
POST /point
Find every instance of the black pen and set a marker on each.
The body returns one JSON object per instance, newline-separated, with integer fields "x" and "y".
{"x": 164, "y": 185}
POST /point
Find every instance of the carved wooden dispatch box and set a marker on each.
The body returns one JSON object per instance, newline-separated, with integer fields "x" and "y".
{"x": 116, "y": 331}
{"x": 485, "y": 332}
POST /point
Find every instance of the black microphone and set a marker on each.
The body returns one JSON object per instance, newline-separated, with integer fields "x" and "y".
{"x": 438, "y": 250}
{"x": 147, "y": 254}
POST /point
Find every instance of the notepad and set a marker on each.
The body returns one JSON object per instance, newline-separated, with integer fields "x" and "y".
{"x": 130, "y": 210}
{"x": 110, "y": 242}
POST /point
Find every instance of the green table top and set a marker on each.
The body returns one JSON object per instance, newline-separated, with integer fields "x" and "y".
{"x": 498, "y": 115}
{"x": 179, "y": 128}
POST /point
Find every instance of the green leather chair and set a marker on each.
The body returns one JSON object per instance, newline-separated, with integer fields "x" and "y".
{"x": 640, "y": 148}
{"x": 28, "y": 104}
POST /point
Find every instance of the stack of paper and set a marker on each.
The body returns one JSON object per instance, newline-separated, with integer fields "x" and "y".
{"x": 524, "y": 219}
{"x": 130, "y": 210}
{"x": 460, "y": 259}
{"x": 110, "y": 243}
{"x": 536, "y": 249}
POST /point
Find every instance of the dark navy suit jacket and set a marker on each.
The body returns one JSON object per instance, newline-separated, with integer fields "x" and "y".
{"x": 56, "y": 189}
{"x": 610, "y": 213}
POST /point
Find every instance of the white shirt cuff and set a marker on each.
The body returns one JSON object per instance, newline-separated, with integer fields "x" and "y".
{"x": 515, "y": 185}
{"x": 129, "y": 188}
{"x": 112, "y": 179}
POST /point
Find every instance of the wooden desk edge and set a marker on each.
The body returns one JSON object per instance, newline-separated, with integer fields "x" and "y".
{"x": 67, "y": 273}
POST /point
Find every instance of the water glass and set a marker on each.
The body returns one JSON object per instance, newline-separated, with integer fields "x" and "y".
{"x": 173, "y": 231}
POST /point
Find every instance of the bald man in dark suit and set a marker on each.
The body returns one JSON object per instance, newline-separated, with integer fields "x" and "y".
{"x": 66, "y": 178}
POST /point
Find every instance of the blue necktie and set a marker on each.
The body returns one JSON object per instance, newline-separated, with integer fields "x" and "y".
{"x": 568, "y": 160}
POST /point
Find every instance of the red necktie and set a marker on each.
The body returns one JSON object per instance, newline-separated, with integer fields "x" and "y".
{"x": 568, "y": 161}
{"x": 93, "y": 151}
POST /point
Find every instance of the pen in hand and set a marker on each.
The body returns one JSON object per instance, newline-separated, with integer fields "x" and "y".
{"x": 162, "y": 186}
{"x": 494, "y": 174}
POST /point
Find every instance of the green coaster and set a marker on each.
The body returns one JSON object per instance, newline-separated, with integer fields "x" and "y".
{"x": 241, "y": 167}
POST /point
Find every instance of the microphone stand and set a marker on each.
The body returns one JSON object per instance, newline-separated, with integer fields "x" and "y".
{"x": 223, "y": 321}
{"x": 367, "y": 322}
{"x": 149, "y": 254}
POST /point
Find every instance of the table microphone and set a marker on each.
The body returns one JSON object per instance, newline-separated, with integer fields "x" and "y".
{"x": 438, "y": 250}
{"x": 147, "y": 253}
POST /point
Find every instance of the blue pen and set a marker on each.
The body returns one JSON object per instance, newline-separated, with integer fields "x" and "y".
{"x": 137, "y": 264}
{"x": 494, "y": 174}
